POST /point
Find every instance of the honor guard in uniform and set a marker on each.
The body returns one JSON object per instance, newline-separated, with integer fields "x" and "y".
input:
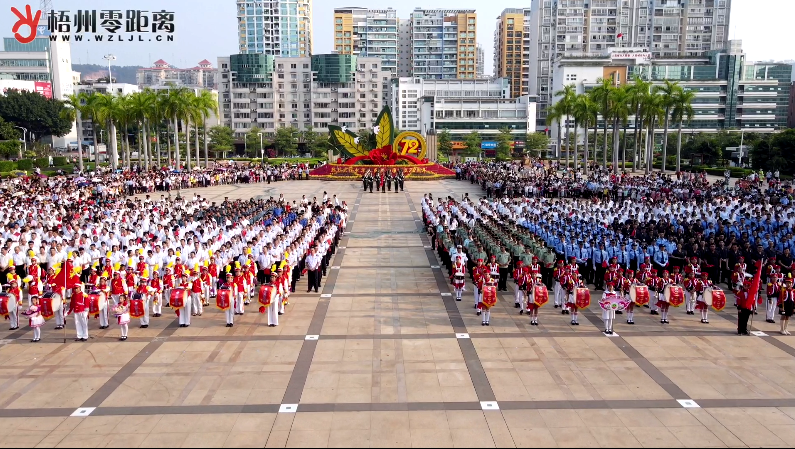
{"x": 488, "y": 300}
{"x": 459, "y": 278}
{"x": 532, "y": 305}
{"x": 79, "y": 308}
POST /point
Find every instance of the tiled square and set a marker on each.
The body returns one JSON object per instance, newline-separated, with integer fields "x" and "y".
{"x": 758, "y": 334}
{"x": 326, "y": 295}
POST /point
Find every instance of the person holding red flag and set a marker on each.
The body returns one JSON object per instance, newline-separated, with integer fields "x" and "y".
{"x": 746, "y": 299}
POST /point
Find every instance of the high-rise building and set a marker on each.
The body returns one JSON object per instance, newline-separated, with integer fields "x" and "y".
{"x": 443, "y": 43}
{"x": 512, "y": 49}
{"x": 368, "y": 32}
{"x": 481, "y": 62}
{"x": 275, "y": 27}
{"x": 162, "y": 73}
{"x": 272, "y": 92}
{"x": 566, "y": 28}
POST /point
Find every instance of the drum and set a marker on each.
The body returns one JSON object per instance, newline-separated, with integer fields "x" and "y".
{"x": 717, "y": 298}
{"x": 8, "y": 304}
{"x": 97, "y": 302}
{"x": 489, "y": 298}
{"x": 50, "y": 304}
{"x": 707, "y": 296}
{"x": 582, "y": 298}
{"x": 266, "y": 294}
{"x": 540, "y": 295}
{"x": 639, "y": 294}
{"x": 137, "y": 307}
{"x": 223, "y": 299}
{"x": 459, "y": 281}
{"x": 613, "y": 301}
{"x": 179, "y": 296}
{"x": 674, "y": 295}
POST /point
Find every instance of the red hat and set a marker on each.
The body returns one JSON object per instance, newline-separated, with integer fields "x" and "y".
{"x": 610, "y": 285}
{"x": 704, "y": 274}
{"x": 654, "y": 272}
{"x": 666, "y": 273}
{"x": 572, "y": 259}
{"x": 519, "y": 262}
{"x": 630, "y": 273}
{"x": 480, "y": 260}
{"x": 560, "y": 262}
{"x": 535, "y": 258}
{"x": 676, "y": 268}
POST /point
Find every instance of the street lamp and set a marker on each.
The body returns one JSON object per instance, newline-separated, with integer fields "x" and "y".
{"x": 261, "y": 148}
{"x": 24, "y": 138}
{"x": 110, "y": 57}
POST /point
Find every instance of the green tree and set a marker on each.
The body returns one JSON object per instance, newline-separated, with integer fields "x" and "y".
{"x": 682, "y": 111}
{"x": 286, "y": 141}
{"x": 619, "y": 111}
{"x": 366, "y": 137}
{"x": 504, "y": 140}
{"x": 444, "y": 143}
{"x": 556, "y": 114}
{"x": 637, "y": 92}
{"x": 41, "y": 116}
{"x": 8, "y": 132}
{"x": 536, "y": 142}
{"x": 565, "y": 103}
{"x": 668, "y": 93}
{"x": 585, "y": 110}
{"x": 75, "y": 102}
{"x": 472, "y": 143}
{"x": 601, "y": 95}
{"x": 253, "y": 141}
{"x": 221, "y": 139}
{"x": 315, "y": 143}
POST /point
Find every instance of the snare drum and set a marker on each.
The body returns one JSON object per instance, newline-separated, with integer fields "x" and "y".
{"x": 97, "y": 302}
{"x": 716, "y": 298}
{"x": 674, "y": 295}
{"x": 223, "y": 298}
{"x": 639, "y": 294}
{"x": 8, "y": 303}
{"x": 179, "y": 297}
{"x": 51, "y": 303}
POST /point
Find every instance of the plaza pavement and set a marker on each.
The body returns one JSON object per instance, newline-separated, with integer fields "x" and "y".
{"x": 384, "y": 356}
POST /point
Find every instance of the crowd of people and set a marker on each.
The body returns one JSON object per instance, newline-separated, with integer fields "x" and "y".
{"x": 617, "y": 231}
{"x": 85, "y": 248}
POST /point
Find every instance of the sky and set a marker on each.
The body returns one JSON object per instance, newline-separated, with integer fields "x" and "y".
{"x": 210, "y": 30}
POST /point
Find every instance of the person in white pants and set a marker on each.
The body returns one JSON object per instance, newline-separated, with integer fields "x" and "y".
{"x": 156, "y": 295}
{"x": 196, "y": 295}
{"x": 60, "y": 319}
{"x": 609, "y": 314}
{"x": 184, "y": 313}
{"x": 79, "y": 308}
{"x": 273, "y": 308}
{"x": 123, "y": 316}
{"x": 230, "y": 311}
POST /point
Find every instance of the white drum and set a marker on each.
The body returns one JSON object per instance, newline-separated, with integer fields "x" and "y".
{"x": 56, "y": 300}
{"x": 708, "y": 296}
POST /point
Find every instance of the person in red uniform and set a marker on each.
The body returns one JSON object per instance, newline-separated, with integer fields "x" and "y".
{"x": 241, "y": 286}
{"x": 745, "y": 303}
{"x": 659, "y": 286}
{"x": 13, "y": 312}
{"x": 196, "y": 291}
{"x": 520, "y": 276}
{"x": 118, "y": 288}
{"x": 477, "y": 274}
{"x": 651, "y": 281}
{"x": 168, "y": 284}
{"x": 702, "y": 285}
{"x": 79, "y": 308}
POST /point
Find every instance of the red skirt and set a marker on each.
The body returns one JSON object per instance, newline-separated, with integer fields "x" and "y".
{"x": 532, "y": 307}
{"x": 701, "y": 305}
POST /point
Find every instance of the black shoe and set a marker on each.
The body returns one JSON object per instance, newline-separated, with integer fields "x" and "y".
{"x": 487, "y": 323}
{"x": 77, "y": 339}
{"x": 13, "y": 328}
{"x": 745, "y": 333}
{"x": 228, "y": 324}
{"x": 516, "y": 306}
{"x": 618, "y": 312}
{"x": 577, "y": 323}
{"x": 521, "y": 312}
{"x": 662, "y": 321}
{"x": 144, "y": 326}
{"x": 646, "y": 306}
{"x": 562, "y": 312}
{"x": 556, "y": 306}
{"x": 479, "y": 312}
{"x": 458, "y": 299}
{"x": 483, "y": 324}
{"x": 654, "y": 312}
{"x": 572, "y": 322}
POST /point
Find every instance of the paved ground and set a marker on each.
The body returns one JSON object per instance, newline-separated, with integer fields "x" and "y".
{"x": 386, "y": 357}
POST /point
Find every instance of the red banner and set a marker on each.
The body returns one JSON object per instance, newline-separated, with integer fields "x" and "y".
{"x": 45, "y": 89}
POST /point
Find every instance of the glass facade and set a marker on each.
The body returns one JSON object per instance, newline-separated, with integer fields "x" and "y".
{"x": 334, "y": 68}
{"x": 40, "y": 44}
{"x": 22, "y": 62}
{"x": 252, "y": 67}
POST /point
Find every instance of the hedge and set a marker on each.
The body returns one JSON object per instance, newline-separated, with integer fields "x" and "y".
{"x": 42, "y": 162}
{"x": 7, "y": 166}
{"x": 60, "y": 160}
{"x": 24, "y": 164}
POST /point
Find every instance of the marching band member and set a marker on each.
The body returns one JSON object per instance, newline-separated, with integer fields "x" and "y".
{"x": 690, "y": 292}
{"x": 118, "y": 288}
{"x": 13, "y": 312}
{"x": 229, "y": 313}
{"x": 774, "y": 284}
{"x": 701, "y": 285}
{"x": 196, "y": 291}
{"x": 79, "y": 308}
{"x": 557, "y": 275}
{"x": 241, "y": 287}
{"x": 489, "y": 298}
{"x": 168, "y": 285}
{"x": 532, "y": 305}
{"x": 185, "y": 313}
{"x": 786, "y": 304}
{"x": 212, "y": 268}
{"x": 144, "y": 290}
{"x": 659, "y": 284}
{"x": 478, "y": 274}
{"x": 104, "y": 287}
{"x": 627, "y": 282}
{"x": 494, "y": 269}
{"x": 459, "y": 279}
{"x": 520, "y": 277}
{"x": 609, "y": 314}
{"x": 273, "y": 308}
{"x": 569, "y": 284}
{"x": 207, "y": 287}
{"x": 156, "y": 286}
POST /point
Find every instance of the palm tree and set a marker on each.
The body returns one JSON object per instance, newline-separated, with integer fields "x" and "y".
{"x": 637, "y": 91}
{"x": 667, "y": 93}
{"x": 206, "y": 103}
{"x": 123, "y": 118}
{"x": 653, "y": 110}
{"x": 75, "y": 102}
{"x": 555, "y": 114}
{"x": 140, "y": 103}
{"x": 585, "y": 111}
{"x": 682, "y": 109}
{"x": 91, "y": 109}
{"x": 175, "y": 108}
{"x": 108, "y": 112}
{"x": 601, "y": 94}
{"x": 567, "y": 98}
{"x": 619, "y": 111}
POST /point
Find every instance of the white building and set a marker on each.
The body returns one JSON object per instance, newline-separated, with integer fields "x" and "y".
{"x": 162, "y": 73}
{"x": 275, "y": 27}
{"x": 460, "y": 106}
{"x": 275, "y": 92}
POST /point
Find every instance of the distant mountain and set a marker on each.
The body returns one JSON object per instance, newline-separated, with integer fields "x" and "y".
{"x": 122, "y": 74}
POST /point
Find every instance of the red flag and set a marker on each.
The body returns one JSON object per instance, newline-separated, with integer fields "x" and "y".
{"x": 620, "y": 35}
{"x": 754, "y": 285}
